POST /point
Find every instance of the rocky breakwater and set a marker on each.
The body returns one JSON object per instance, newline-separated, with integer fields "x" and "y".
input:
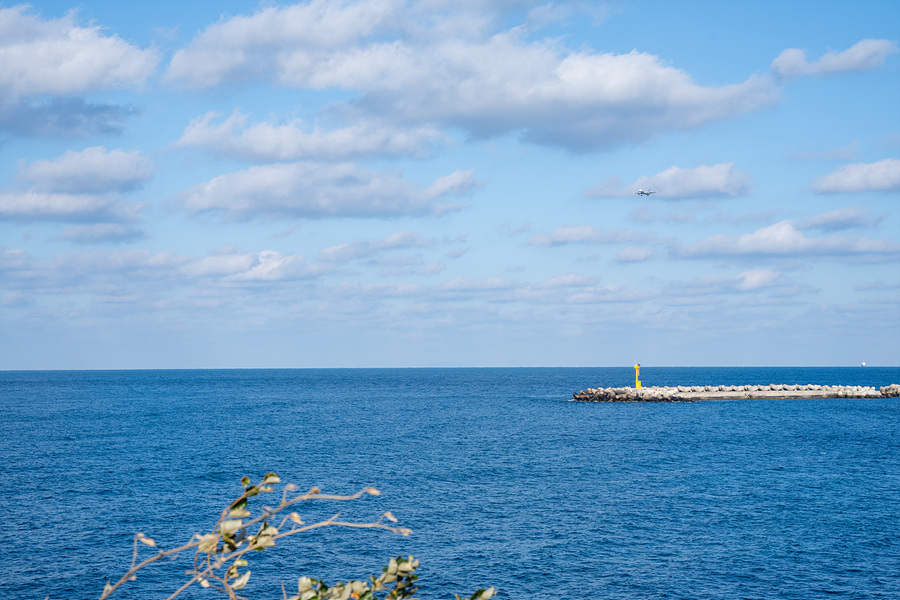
{"x": 732, "y": 392}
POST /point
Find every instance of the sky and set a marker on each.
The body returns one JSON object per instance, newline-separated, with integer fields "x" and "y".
{"x": 420, "y": 183}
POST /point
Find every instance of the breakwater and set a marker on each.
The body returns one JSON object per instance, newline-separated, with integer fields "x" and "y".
{"x": 697, "y": 393}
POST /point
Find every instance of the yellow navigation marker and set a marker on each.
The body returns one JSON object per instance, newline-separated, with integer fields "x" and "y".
{"x": 637, "y": 376}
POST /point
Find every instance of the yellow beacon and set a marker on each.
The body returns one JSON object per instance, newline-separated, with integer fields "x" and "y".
{"x": 637, "y": 376}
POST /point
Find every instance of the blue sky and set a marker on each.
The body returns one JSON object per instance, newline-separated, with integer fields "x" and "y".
{"x": 435, "y": 183}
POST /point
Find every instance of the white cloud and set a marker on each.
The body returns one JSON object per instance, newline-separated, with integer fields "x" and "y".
{"x": 81, "y": 186}
{"x": 225, "y": 263}
{"x": 270, "y": 265}
{"x": 758, "y": 278}
{"x": 586, "y": 234}
{"x": 59, "y": 57}
{"x": 262, "y": 142}
{"x": 566, "y": 281}
{"x": 239, "y": 48}
{"x": 865, "y": 55}
{"x": 647, "y": 214}
{"x": 847, "y": 152}
{"x": 840, "y": 219}
{"x": 785, "y": 240}
{"x": 42, "y": 206}
{"x": 883, "y": 176}
{"x": 705, "y": 181}
{"x": 230, "y": 265}
{"x": 458, "y": 182}
{"x": 83, "y": 268}
{"x": 879, "y": 285}
{"x": 582, "y": 101}
{"x": 47, "y": 64}
{"x": 608, "y": 293}
{"x": 634, "y": 254}
{"x": 367, "y": 248}
{"x": 15, "y": 299}
{"x": 566, "y": 234}
{"x": 487, "y": 86}
{"x": 714, "y": 288}
{"x": 93, "y": 270}
{"x": 465, "y": 284}
{"x": 101, "y": 233}
{"x": 13, "y": 259}
{"x": 316, "y": 190}
{"x": 90, "y": 171}
{"x": 62, "y": 117}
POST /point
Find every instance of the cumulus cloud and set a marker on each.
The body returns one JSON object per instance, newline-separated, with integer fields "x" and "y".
{"x": 101, "y": 233}
{"x": 78, "y": 266}
{"x": 316, "y": 190}
{"x": 48, "y": 206}
{"x": 865, "y": 55}
{"x": 267, "y": 141}
{"x": 634, "y": 254}
{"x": 783, "y": 239}
{"x": 238, "y": 48}
{"x": 647, "y": 214}
{"x": 847, "y": 152}
{"x": 466, "y": 284}
{"x": 367, "y": 248}
{"x": 566, "y": 234}
{"x": 90, "y": 171}
{"x": 753, "y": 280}
{"x": 841, "y": 219}
{"x": 270, "y": 265}
{"x": 879, "y": 285}
{"x": 567, "y": 280}
{"x": 47, "y": 64}
{"x": 122, "y": 272}
{"x": 584, "y": 234}
{"x": 758, "y": 278}
{"x": 706, "y": 181}
{"x": 608, "y": 293}
{"x": 60, "y": 57}
{"x": 62, "y": 117}
{"x": 485, "y": 85}
{"x": 882, "y": 176}
{"x": 80, "y": 187}
{"x": 582, "y": 101}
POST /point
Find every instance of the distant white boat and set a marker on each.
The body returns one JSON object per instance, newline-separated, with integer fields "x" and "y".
{"x": 864, "y": 364}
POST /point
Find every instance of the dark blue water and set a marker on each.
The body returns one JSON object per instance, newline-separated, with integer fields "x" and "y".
{"x": 503, "y": 481}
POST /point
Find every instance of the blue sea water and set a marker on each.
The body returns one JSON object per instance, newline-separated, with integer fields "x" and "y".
{"x": 502, "y": 479}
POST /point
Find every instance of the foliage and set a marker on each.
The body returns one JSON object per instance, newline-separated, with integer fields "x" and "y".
{"x": 221, "y": 557}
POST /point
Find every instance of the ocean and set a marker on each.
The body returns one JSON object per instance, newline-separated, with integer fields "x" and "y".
{"x": 503, "y": 481}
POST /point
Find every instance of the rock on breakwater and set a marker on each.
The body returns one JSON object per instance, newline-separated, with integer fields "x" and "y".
{"x": 733, "y": 392}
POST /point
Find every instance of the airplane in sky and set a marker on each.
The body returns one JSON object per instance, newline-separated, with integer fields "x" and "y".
{"x": 643, "y": 193}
